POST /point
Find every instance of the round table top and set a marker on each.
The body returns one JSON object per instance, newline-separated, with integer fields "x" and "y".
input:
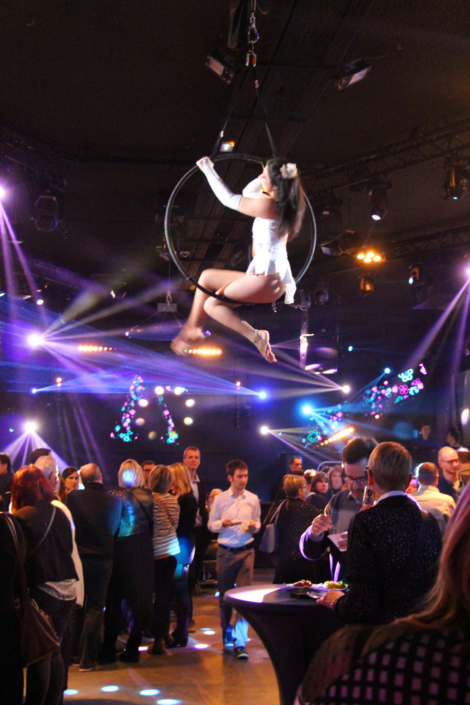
{"x": 269, "y": 597}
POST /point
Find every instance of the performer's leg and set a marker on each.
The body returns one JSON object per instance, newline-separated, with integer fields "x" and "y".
{"x": 251, "y": 289}
{"x": 213, "y": 280}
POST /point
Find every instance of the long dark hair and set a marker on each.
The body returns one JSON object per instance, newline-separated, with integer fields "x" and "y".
{"x": 290, "y": 204}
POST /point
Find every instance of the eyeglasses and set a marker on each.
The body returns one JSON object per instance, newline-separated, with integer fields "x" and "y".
{"x": 358, "y": 480}
{"x": 455, "y": 461}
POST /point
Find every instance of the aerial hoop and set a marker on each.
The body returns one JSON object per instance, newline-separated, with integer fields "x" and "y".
{"x": 168, "y": 215}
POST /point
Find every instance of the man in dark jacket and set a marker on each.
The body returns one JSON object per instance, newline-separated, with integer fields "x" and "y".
{"x": 202, "y": 537}
{"x": 6, "y": 476}
{"x": 393, "y": 547}
{"x": 96, "y": 515}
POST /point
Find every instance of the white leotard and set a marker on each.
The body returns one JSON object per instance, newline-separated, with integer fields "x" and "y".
{"x": 271, "y": 253}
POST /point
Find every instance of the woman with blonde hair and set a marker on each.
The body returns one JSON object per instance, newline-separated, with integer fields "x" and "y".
{"x": 166, "y": 514}
{"x": 131, "y": 578}
{"x": 181, "y": 488}
{"x": 417, "y": 660}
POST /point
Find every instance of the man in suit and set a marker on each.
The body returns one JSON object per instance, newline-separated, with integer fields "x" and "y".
{"x": 192, "y": 460}
{"x": 393, "y": 547}
{"x": 96, "y": 515}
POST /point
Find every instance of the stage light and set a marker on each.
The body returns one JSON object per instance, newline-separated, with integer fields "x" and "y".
{"x": 352, "y": 72}
{"x": 140, "y": 422}
{"x": 148, "y": 691}
{"x": 47, "y": 209}
{"x": 457, "y": 181}
{"x": 350, "y": 349}
{"x": 190, "y": 402}
{"x": 205, "y": 352}
{"x": 264, "y": 430}
{"x": 34, "y": 390}
{"x": 262, "y": 394}
{"x": 178, "y": 391}
{"x": 34, "y": 340}
{"x": 2, "y": 192}
{"x": 94, "y": 348}
{"x": 30, "y": 427}
{"x": 159, "y": 390}
{"x": 222, "y": 65}
{"x": 303, "y": 345}
{"x": 346, "y": 388}
{"x": 58, "y": 380}
{"x": 143, "y": 403}
{"x": 307, "y": 410}
{"x": 387, "y": 370}
{"x": 188, "y": 421}
{"x": 465, "y": 416}
{"x": 370, "y": 255}
{"x": 239, "y": 384}
{"x": 379, "y": 199}
{"x": 227, "y": 146}
{"x": 40, "y": 302}
{"x": 110, "y": 688}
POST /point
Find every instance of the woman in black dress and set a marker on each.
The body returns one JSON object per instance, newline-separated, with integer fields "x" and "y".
{"x": 182, "y": 490}
{"x": 294, "y": 517}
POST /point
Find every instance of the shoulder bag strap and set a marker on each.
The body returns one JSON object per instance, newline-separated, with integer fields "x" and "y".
{"x": 54, "y": 509}
{"x": 162, "y": 504}
{"x": 149, "y": 520}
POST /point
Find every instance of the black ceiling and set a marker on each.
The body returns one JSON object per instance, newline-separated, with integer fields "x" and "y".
{"x": 112, "y": 101}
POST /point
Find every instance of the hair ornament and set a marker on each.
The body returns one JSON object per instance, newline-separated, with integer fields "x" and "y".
{"x": 288, "y": 171}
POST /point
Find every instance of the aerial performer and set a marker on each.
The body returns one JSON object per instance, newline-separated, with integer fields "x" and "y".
{"x": 276, "y": 202}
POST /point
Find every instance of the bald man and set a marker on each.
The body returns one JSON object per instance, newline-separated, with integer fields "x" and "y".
{"x": 449, "y": 482}
{"x": 96, "y": 515}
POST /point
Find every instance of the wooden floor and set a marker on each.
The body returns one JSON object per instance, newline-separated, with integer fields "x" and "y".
{"x": 200, "y": 674}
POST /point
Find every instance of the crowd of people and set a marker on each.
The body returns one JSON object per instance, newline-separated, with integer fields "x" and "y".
{"x": 96, "y": 561}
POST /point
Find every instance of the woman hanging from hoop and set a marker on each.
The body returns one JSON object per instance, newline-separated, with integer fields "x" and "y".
{"x": 275, "y": 200}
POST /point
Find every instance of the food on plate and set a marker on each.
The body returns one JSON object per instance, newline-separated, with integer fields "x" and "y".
{"x": 302, "y": 583}
{"x": 332, "y": 585}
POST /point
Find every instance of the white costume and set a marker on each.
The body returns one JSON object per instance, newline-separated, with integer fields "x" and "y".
{"x": 270, "y": 253}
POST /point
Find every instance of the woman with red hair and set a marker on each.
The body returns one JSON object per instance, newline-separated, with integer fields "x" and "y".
{"x": 50, "y": 573}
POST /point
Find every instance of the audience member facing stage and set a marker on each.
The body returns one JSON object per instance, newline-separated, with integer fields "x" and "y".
{"x": 420, "y": 660}
{"x": 182, "y": 490}
{"x": 440, "y": 505}
{"x": 69, "y": 481}
{"x": 96, "y": 515}
{"x": 393, "y": 547}
{"x": 50, "y": 573}
{"x": 449, "y": 482}
{"x": 295, "y": 515}
{"x": 192, "y": 460}
{"x": 342, "y": 507}
{"x": 6, "y": 477}
{"x": 166, "y": 513}
{"x": 235, "y": 514}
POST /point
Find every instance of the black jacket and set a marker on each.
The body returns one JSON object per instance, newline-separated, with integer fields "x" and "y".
{"x": 96, "y": 515}
{"x": 137, "y": 511}
{"x": 387, "y": 576}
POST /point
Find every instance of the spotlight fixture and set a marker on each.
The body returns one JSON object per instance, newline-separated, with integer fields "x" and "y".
{"x": 227, "y": 147}
{"x": 346, "y": 388}
{"x": 366, "y": 284}
{"x": 159, "y": 391}
{"x": 190, "y": 402}
{"x": 47, "y": 208}
{"x": 457, "y": 183}
{"x": 94, "y": 348}
{"x": 379, "y": 199}
{"x": 2, "y": 192}
{"x": 262, "y": 394}
{"x": 40, "y": 302}
{"x": 30, "y": 427}
{"x": 179, "y": 390}
{"x": 352, "y": 72}
{"x": 307, "y": 410}
{"x": 264, "y": 430}
{"x": 350, "y": 348}
{"x": 222, "y": 65}
{"x": 320, "y": 295}
{"x": 370, "y": 254}
{"x": 387, "y": 370}
{"x": 34, "y": 340}
{"x": 188, "y": 421}
{"x": 203, "y": 351}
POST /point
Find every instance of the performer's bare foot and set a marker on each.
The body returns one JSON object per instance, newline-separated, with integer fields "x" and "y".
{"x": 186, "y": 336}
{"x": 261, "y": 340}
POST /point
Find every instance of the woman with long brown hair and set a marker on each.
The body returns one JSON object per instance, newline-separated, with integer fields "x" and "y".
{"x": 276, "y": 201}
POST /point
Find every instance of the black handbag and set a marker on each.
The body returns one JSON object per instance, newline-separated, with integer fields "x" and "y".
{"x": 38, "y": 637}
{"x": 270, "y": 540}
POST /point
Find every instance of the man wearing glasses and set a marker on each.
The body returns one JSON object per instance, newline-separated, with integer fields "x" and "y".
{"x": 449, "y": 482}
{"x": 342, "y": 506}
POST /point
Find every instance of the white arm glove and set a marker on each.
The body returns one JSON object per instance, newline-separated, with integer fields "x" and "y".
{"x": 221, "y": 190}
{"x": 253, "y": 189}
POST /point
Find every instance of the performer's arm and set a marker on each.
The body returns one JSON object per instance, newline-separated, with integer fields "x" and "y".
{"x": 255, "y": 207}
{"x": 253, "y": 189}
